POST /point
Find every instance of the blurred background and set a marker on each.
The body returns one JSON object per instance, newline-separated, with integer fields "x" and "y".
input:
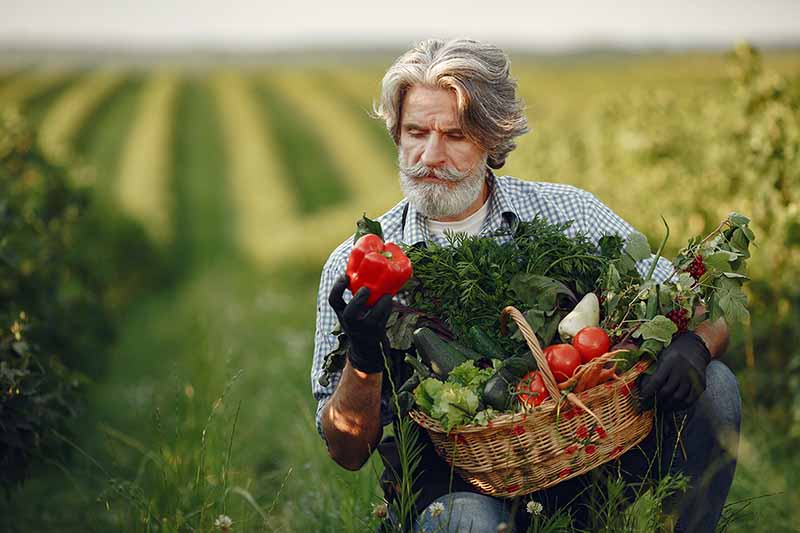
{"x": 173, "y": 175}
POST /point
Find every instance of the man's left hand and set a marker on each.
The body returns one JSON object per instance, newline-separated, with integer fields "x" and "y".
{"x": 680, "y": 376}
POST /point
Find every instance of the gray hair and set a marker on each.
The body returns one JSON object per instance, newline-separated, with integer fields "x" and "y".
{"x": 490, "y": 114}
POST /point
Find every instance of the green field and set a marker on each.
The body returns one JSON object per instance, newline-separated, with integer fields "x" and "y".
{"x": 247, "y": 178}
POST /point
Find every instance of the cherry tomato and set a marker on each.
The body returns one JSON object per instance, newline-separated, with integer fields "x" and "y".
{"x": 563, "y": 360}
{"x": 591, "y": 342}
{"x": 531, "y": 389}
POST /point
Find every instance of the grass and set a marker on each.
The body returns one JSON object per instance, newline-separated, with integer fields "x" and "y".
{"x": 176, "y": 354}
{"x": 36, "y": 92}
{"x": 64, "y": 118}
{"x": 261, "y": 194}
{"x": 101, "y": 137}
{"x": 359, "y": 106}
{"x": 141, "y": 186}
{"x": 368, "y": 175}
{"x": 315, "y": 181}
{"x": 203, "y": 221}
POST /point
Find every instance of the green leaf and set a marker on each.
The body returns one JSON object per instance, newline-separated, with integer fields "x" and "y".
{"x": 627, "y": 265}
{"x": 426, "y": 393}
{"x": 400, "y": 332}
{"x": 732, "y": 301}
{"x": 665, "y": 294}
{"x": 535, "y": 319}
{"x": 735, "y": 275}
{"x": 366, "y": 226}
{"x": 468, "y": 375}
{"x": 335, "y": 359}
{"x": 610, "y": 246}
{"x": 740, "y": 241}
{"x": 550, "y": 328}
{"x": 540, "y": 292}
{"x": 627, "y": 359}
{"x": 652, "y": 347}
{"x": 652, "y": 304}
{"x": 638, "y": 247}
{"x": 738, "y": 220}
{"x": 721, "y": 260}
{"x": 612, "y": 279}
{"x": 660, "y": 328}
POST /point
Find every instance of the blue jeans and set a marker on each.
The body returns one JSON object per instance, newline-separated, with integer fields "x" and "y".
{"x": 709, "y": 435}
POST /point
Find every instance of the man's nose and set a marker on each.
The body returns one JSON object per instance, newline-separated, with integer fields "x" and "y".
{"x": 434, "y": 153}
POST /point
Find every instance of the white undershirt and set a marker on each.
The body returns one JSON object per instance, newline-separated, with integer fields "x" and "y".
{"x": 470, "y": 225}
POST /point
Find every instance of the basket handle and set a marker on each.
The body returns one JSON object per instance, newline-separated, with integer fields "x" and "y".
{"x": 533, "y": 343}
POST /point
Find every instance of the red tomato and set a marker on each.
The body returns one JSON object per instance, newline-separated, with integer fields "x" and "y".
{"x": 531, "y": 389}
{"x": 591, "y": 342}
{"x": 563, "y": 360}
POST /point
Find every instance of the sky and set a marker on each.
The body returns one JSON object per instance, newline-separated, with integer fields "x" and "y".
{"x": 238, "y": 24}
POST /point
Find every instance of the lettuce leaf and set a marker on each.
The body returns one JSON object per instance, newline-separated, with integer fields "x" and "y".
{"x": 468, "y": 375}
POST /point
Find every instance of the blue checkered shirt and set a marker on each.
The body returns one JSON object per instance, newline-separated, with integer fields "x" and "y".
{"x": 510, "y": 200}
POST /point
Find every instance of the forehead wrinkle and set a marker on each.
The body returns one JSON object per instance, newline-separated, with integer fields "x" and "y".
{"x": 434, "y": 115}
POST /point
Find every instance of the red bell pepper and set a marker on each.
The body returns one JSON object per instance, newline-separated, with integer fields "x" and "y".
{"x": 381, "y": 267}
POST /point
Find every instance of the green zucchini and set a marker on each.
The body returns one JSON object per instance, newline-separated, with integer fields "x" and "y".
{"x": 467, "y": 352}
{"x": 483, "y": 344}
{"x": 419, "y": 369}
{"x": 437, "y": 353}
{"x": 497, "y": 392}
{"x": 410, "y": 384}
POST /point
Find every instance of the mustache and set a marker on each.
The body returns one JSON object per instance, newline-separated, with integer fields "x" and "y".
{"x": 420, "y": 170}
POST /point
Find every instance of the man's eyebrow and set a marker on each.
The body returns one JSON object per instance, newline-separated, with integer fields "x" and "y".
{"x": 413, "y": 126}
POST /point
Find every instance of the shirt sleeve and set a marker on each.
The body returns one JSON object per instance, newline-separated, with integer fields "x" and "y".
{"x": 324, "y": 340}
{"x": 598, "y": 220}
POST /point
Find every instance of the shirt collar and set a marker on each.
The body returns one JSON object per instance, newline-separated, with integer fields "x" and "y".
{"x": 501, "y": 210}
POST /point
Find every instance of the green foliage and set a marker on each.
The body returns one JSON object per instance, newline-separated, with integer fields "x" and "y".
{"x": 470, "y": 280}
{"x": 43, "y": 294}
{"x": 201, "y": 209}
{"x": 64, "y": 272}
{"x": 315, "y": 179}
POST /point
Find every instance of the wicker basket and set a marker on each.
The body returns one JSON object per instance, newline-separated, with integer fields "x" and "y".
{"x": 520, "y": 453}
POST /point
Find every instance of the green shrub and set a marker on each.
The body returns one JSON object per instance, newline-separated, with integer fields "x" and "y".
{"x": 64, "y": 275}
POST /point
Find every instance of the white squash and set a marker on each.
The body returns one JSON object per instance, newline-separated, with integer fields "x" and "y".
{"x": 585, "y": 314}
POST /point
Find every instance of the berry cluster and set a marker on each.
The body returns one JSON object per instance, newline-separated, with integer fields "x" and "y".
{"x": 697, "y": 268}
{"x": 680, "y": 317}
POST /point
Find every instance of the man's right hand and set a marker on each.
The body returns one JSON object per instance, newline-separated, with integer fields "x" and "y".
{"x": 364, "y": 326}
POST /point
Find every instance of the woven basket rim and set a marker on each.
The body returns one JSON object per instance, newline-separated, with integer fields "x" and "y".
{"x": 509, "y": 419}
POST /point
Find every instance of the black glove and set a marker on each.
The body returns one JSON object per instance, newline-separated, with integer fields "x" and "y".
{"x": 364, "y": 326}
{"x": 680, "y": 375}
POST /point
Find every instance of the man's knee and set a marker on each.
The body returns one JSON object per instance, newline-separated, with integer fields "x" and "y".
{"x": 721, "y": 406}
{"x": 463, "y": 511}
{"x": 722, "y": 390}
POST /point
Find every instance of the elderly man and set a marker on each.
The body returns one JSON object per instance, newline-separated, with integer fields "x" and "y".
{"x": 452, "y": 110}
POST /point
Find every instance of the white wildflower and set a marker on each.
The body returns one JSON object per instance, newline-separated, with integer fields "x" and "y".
{"x": 534, "y": 508}
{"x": 223, "y": 523}
{"x": 436, "y": 509}
{"x": 379, "y": 510}
{"x": 502, "y": 527}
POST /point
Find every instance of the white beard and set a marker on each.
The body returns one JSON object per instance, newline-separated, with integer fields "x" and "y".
{"x": 439, "y": 200}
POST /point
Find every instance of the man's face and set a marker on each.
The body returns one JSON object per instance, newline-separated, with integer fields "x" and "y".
{"x": 441, "y": 171}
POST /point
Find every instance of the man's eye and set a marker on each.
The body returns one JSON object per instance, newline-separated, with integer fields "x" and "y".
{"x": 416, "y": 133}
{"x": 456, "y": 136}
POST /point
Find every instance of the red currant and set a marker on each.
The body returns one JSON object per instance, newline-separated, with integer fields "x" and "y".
{"x": 680, "y": 318}
{"x": 697, "y": 268}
